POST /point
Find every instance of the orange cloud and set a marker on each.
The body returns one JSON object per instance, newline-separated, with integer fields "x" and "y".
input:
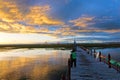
{"x": 43, "y": 30}
{"x": 82, "y": 22}
{"x": 11, "y": 15}
{"x": 66, "y": 31}
{"x": 4, "y": 27}
{"x": 9, "y": 12}
{"x": 11, "y": 19}
{"x": 16, "y": 27}
{"x": 97, "y": 30}
{"x": 38, "y": 15}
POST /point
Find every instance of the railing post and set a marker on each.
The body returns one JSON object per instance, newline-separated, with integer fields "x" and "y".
{"x": 109, "y": 58}
{"x": 88, "y": 52}
{"x": 94, "y": 53}
{"x": 69, "y": 69}
{"x": 100, "y": 56}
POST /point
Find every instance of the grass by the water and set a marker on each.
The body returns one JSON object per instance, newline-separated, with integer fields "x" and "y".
{"x": 62, "y": 46}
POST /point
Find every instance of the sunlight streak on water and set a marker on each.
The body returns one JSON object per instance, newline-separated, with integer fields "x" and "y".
{"x": 34, "y": 64}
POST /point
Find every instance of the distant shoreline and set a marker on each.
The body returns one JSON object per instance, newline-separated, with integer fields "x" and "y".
{"x": 61, "y": 45}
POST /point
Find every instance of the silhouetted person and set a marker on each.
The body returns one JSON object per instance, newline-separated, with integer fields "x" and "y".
{"x": 73, "y": 58}
{"x": 109, "y": 58}
{"x": 63, "y": 77}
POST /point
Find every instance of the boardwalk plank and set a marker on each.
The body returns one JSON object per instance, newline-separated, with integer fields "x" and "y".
{"x": 89, "y": 68}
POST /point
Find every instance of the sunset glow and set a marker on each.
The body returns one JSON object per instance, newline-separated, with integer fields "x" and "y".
{"x": 40, "y": 21}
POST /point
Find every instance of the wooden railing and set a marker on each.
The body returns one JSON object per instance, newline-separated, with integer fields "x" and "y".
{"x": 111, "y": 62}
{"x": 106, "y": 59}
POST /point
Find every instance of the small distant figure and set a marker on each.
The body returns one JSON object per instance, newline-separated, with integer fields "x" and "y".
{"x": 73, "y": 58}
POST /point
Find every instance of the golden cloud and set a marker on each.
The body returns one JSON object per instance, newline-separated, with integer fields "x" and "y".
{"x": 11, "y": 18}
{"x": 4, "y": 27}
{"x": 9, "y": 12}
{"x": 16, "y": 27}
{"x": 43, "y": 30}
{"x": 97, "y": 30}
{"x": 66, "y": 31}
{"x": 82, "y": 22}
{"x": 69, "y": 32}
{"x": 38, "y": 15}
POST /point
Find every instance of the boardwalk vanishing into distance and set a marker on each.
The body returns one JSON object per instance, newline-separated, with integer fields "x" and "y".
{"x": 89, "y": 68}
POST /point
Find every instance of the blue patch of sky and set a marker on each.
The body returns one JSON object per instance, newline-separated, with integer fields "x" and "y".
{"x": 53, "y": 28}
{"x": 76, "y": 8}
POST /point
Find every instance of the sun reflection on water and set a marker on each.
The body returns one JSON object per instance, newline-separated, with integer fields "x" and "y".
{"x": 37, "y": 67}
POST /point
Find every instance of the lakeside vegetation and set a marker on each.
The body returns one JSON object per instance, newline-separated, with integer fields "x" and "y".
{"x": 67, "y": 46}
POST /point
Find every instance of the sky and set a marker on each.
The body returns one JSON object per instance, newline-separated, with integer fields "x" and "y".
{"x": 53, "y": 21}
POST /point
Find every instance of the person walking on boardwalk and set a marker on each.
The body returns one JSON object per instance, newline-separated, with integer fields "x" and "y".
{"x": 73, "y": 58}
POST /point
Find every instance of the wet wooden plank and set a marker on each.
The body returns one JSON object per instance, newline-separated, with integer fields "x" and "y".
{"x": 89, "y": 68}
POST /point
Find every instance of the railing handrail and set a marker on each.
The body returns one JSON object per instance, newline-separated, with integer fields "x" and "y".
{"x": 113, "y": 63}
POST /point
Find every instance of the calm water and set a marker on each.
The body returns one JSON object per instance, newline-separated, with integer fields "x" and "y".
{"x": 115, "y": 52}
{"x": 38, "y": 64}
{"x": 32, "y": 64}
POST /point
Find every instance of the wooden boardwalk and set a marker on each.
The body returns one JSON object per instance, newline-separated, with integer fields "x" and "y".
{"x": 89, "y": 68}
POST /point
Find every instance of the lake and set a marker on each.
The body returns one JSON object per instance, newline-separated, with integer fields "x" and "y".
{"x": 33, "y": 64}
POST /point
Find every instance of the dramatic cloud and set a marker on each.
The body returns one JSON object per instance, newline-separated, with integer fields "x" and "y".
{"x": 82, "y": 22}
{"x": 9, "y": 12}
{"x": 38, "y": 16}
{"x": 61, "y": 18}
{"x": 65, "y": 32}
{"x": 12, "y": 19}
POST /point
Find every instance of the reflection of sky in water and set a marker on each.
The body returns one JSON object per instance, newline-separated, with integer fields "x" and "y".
{"x": 25, "y": 53}
{"x": 115, "y": 52}
{"x": 35, "y": 64}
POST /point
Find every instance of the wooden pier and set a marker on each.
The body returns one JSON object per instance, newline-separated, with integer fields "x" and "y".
{"x": 90, "y": 68}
